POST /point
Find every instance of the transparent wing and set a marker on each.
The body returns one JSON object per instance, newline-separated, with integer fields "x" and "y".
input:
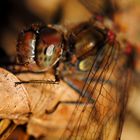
{"x": 103, "y": 7}
{"x": 102, "y": 119}
{"x": 93, "y": 6}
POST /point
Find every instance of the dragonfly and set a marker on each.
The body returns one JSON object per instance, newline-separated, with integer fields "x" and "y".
{"x": 91, "y": 61}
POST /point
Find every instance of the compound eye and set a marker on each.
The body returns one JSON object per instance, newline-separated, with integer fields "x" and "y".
{"x": 26, "y": 47}
{"x": 49, "y": 47}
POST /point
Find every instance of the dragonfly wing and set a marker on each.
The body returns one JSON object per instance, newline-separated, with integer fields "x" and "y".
{"x": 93, "y": 5}
{"x": 103, "y": 7}
{"x": 95, "y": 120}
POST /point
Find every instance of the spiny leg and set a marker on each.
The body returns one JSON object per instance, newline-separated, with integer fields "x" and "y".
{"x": 64, "y": 102}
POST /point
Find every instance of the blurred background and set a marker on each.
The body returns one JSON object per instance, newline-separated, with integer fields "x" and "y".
{"x": 17, "y": 14}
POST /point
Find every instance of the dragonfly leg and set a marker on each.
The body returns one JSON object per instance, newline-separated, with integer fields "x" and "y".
{"x": 64, "y": 102}
{"x": 55, "y": 81}
{"x": 77, "y": 86}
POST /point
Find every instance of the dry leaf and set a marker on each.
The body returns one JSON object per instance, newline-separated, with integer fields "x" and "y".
{"x": 14, "y": 101}
{"x": 45, "y": 97}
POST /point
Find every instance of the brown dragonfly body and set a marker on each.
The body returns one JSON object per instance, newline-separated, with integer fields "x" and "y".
{"x": 86, "y": 58}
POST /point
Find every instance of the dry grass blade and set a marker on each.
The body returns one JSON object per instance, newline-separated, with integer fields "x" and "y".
{"x": 3, "y": 125}
{"x": 7, "y": 128}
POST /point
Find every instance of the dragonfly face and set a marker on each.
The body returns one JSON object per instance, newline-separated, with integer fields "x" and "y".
{"x": 39, "y": 47}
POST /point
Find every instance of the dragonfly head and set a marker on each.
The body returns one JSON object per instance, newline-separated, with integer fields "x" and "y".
{"x": 40, "y": 45}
